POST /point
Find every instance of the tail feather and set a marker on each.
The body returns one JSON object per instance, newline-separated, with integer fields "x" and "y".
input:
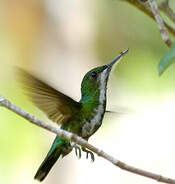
{"x": 46, "y": 165}
{"x": 53, "y": 155}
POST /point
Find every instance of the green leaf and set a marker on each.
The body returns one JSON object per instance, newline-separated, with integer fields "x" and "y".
{"x": 168, "y": 59}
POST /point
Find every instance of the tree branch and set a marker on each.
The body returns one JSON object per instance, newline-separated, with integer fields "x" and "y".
{"x": 164, "y": 7}
{"x": 142, "y": 6}
{"x": 78, "y": 140}
{"x": 158, "y": 18}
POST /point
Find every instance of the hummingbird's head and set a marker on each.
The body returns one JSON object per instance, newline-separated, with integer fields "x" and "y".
{"x": 95, "y": 81}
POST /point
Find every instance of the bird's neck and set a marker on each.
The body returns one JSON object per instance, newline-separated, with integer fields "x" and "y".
{"x": 94, "y": 103}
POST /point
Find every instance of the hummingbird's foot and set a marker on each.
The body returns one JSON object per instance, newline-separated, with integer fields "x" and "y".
{"x": 77, "y": 149}
{"x": 89, "y": 153}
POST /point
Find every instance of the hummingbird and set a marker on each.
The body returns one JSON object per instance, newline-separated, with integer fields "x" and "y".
{"x": 82, "y": 118}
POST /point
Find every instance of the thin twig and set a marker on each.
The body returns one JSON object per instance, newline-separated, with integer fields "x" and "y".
{"x": 158, "y": 18}
{"x": 142, "y": 6}
{"x": 164, "y": 7}
{"x": 78, "y": 140}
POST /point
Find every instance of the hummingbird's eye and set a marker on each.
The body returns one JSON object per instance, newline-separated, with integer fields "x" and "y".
{"x": 94, "y": 75}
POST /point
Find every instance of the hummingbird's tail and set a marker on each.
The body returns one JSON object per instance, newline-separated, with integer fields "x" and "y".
{"x": 59, "y": 147}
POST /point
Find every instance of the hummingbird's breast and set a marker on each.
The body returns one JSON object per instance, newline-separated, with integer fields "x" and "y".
{"x": 90, "y": 126}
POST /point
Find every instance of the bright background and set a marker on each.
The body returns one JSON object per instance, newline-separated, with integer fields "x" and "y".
{"x": 61, "y": 41}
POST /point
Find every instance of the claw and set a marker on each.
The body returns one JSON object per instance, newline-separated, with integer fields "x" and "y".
{"x": 89, "y": 153}
{"x": 76, "y": 153}
{"x": 77, "y": 150}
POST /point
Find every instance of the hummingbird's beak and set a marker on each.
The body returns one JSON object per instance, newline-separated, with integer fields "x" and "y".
{"x": 116, "y": 59}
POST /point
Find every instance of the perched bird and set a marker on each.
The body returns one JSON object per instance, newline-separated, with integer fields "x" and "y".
{"x": 82, "y": 118}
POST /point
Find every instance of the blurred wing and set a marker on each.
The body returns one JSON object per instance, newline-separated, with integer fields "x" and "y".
{"x": 57, "y": 106}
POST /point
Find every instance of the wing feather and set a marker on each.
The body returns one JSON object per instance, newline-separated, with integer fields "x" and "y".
{"x": 57, "y": 106}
